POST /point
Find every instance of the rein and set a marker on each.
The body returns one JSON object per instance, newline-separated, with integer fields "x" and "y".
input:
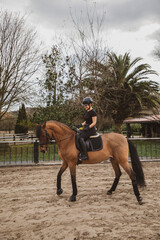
{"x": 61, "y": 140}
{"x": 48, "y": 138}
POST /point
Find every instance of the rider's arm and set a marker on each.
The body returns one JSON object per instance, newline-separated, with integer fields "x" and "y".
{"x": 83, "y": 123}
{"x": 94, "y": 121}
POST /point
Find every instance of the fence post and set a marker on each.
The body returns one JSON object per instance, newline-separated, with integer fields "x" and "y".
{"x": 36, "y": 152}
{"x": 14, "y": 139}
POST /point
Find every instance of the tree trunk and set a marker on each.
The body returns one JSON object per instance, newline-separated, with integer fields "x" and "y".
{"x": 118, "y": 128}
{"x": 100, "y": 121}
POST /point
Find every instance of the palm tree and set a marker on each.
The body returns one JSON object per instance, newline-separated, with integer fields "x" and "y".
{"x": 131, "y": 89}
{"x": 121, "y": 88}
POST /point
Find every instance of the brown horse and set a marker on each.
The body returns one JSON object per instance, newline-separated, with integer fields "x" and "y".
{"x": 115, "y": 148}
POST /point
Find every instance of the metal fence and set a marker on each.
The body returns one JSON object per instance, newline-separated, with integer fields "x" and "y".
{"x": 147, "y": 148}
{"x": 26, "y": 152}
{"x": 22, "y": 152}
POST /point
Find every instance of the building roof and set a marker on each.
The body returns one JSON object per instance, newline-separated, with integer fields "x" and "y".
{"x": 145, "y": 119}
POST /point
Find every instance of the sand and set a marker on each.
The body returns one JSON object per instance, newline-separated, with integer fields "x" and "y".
{"x": 31, "y": 210}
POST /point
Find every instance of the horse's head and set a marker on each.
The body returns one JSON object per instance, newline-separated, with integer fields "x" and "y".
{"x": 43, "y": 136}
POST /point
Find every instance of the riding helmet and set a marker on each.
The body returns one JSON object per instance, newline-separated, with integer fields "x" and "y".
{"x": 87, "y": 100}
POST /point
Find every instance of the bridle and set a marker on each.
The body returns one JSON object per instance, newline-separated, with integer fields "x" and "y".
{"x": 48, "y": 139}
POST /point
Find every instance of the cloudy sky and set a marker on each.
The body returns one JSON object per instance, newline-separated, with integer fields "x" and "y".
{"x": 129, "y": 25}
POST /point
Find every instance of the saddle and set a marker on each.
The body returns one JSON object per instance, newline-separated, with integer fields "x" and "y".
{"x": 93, "y": 143}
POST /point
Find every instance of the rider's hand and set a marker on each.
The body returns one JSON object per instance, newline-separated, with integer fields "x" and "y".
{"x": 79, "y": 125}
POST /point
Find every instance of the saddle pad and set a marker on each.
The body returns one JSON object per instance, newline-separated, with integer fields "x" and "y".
{"x": 93, "y": 144}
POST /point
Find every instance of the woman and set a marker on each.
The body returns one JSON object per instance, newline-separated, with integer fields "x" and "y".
{"x": 89, "y": 129}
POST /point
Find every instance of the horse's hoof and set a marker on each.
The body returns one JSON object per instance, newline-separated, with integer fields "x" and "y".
{"x": 59, "y": 191}
{"x": 72, "y": 198}
{"x": 109, "y": 192}
{"x": 140, "y": 200}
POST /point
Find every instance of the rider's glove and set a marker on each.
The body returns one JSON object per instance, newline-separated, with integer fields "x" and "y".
{"x": 79, "y": 125}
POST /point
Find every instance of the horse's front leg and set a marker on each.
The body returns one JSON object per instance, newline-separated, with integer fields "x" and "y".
{"x": 72, "y": 168}
{"x": 61, "y": 171}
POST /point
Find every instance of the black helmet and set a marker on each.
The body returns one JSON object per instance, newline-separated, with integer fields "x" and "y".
{"x": 87, "y": 100}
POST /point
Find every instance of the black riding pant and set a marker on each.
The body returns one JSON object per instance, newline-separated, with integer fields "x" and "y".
{"x": 83, "y": 136}
{"x": 86, "y": 134}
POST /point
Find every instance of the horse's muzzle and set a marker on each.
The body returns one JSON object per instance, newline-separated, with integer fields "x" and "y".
{"x": 43, "y": 149}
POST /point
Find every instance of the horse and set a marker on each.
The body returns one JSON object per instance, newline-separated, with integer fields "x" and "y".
{"x": 115, "y": 147}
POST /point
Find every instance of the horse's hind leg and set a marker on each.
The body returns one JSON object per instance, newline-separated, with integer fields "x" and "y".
{"x": 132, "y": 176}
{"x": 61, "y": 171}
{"x": 118, "y": 173}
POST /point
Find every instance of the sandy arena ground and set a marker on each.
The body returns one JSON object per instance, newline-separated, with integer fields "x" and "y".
{"x": 31, "y": 210}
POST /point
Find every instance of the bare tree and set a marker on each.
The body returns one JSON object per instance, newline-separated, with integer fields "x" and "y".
{"x": 19, "y": 59}
{"x": 156, "y": 50}
{"x": 89, "y": 48}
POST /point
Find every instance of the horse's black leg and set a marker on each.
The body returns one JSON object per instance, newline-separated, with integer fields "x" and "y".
{"x": 117, "y": 173}
{"x": 134, "y": 184}
{"x": 132, "y": 176}
{"x": 74, "y": 185}
{"x": 136, "y": 192}
{"x": 62, "y": 169}
{"x": 113, "y": 188}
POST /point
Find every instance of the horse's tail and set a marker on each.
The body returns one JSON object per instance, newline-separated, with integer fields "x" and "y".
{"x": 136, "y": 164}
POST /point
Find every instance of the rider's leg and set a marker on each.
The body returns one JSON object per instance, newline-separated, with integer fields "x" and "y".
{"x": 84, "y": 155}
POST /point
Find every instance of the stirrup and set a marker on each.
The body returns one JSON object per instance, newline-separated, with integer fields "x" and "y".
{"x": 84, "y": 156}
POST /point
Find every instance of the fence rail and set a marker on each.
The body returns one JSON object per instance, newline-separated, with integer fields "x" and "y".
{"x": 16, "y": 137}
{"x": 21, "y": 152}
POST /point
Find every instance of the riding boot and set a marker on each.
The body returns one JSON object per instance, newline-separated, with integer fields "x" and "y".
{"x": 84, "y": 155}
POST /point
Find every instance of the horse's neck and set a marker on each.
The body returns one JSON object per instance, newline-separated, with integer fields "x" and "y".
{"x": 59, "y": 130}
